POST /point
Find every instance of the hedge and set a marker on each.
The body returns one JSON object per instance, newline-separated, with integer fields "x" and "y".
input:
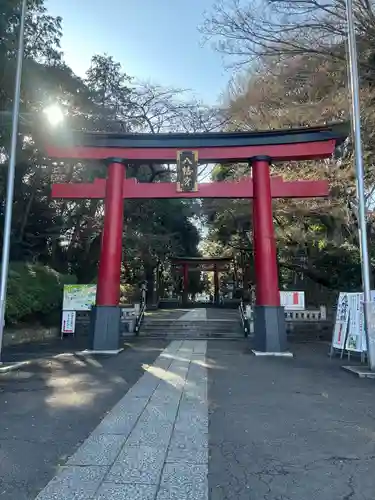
{"x": 35, "y": 292}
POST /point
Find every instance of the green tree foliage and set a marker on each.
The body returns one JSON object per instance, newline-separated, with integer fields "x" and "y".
{"x": 65, "y": 235}
{"x": 294, "y": 73}
{"x": 34, "y": 292}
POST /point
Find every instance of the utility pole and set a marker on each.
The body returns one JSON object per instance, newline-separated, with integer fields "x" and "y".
{"x": 368, "y": 306}
{"x": 11, "y": 174}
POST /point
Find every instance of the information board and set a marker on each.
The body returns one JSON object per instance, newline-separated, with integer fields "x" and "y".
{"x": 79, "y": 297}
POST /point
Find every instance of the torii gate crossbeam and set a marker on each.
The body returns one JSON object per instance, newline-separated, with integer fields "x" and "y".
{"x": 132, "y": 189}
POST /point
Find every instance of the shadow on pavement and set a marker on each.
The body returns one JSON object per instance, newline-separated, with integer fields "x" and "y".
{"x": 45, "y": 349}
{"x": 50, "y": 406}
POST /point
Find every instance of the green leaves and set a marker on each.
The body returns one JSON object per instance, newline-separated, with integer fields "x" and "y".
{"x": 34, "y": 291}
{"x": 65, "y": 235}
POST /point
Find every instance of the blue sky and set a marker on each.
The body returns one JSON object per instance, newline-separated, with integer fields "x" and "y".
{"x": 154, "y": 40}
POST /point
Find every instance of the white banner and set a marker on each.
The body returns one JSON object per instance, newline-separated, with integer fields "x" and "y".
{"x": 341, "y": 323}
{"x": 355, "y": 332}
{"x": 292, "y": 301}
{"x": 362, "y": 325}
{"x": 68, "y": 323}
{"x": 249, "y": 312}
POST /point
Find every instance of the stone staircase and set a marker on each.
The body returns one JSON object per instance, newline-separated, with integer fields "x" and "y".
{"x": 163, "y": 328}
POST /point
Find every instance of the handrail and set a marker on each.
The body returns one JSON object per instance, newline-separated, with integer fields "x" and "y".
{"x": 244, "y": 319}
{"x": 140, "y": 317}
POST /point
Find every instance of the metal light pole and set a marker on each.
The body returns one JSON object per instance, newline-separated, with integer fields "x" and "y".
{"x": 368, "y": 306}
{"x": 11, "y": 174}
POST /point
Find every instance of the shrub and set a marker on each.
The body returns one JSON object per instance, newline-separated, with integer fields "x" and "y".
{"x": 35, "y": 292}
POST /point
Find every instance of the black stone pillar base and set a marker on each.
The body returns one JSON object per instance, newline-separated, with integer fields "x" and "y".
{"x": 105, "y": 328}
{"x": 269, "y": 329}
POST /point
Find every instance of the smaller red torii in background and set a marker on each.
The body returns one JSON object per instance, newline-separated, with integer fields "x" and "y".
{"x": 214, "y": 264}
{"x": 257, "y": 148}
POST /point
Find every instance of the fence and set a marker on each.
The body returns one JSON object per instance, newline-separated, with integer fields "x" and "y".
{"x": 304, "y": 325}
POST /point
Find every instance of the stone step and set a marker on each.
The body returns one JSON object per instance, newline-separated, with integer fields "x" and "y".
{"x": 228, "y": 326}
{"x": 190, "y": 330}
{"x": 180, "y": 324}
{"x": 193, "y": 320}
{"x": 191, "y": 335}
{"x": 191, "y": 324}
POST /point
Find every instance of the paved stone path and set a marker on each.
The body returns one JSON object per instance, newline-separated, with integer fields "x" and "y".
{"x": 153, "y": 445}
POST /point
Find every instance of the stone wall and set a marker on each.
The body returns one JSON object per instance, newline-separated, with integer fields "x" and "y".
{"x": 310, "y": 330}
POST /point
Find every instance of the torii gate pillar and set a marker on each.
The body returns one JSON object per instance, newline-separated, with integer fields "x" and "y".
{"x": 105, "y": 318}
{"x": 270, "y": 331}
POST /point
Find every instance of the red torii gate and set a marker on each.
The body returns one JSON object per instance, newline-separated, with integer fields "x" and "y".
{"x": 257, "y": 148}
{"x": 214, "y": 264}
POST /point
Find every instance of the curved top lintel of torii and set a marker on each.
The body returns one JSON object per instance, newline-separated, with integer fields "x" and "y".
{"x": 278, "y": 145}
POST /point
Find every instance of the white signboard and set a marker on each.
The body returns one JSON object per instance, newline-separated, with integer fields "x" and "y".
{"x": 79, "y": 297}
{"x": 68, "y": 323}
{"x": 341, "y": 323}
{"x": 362, "y": 324}
{"x": 250, "y": 316}
{"x": 249, "y": 312}
{"x": 349, "y": 322}
{"x": 355, "y": 333}
{"x": 292, "y": 301}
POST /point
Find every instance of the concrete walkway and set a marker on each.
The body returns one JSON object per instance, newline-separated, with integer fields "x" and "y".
{"x": 153, "y": 444}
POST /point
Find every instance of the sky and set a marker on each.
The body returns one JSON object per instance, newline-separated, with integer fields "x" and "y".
{"x": 154, "y": 40}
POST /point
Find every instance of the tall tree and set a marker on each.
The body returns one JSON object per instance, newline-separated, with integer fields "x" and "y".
{"x": 273, "y": 28}
{"x": 317, "y": 240}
